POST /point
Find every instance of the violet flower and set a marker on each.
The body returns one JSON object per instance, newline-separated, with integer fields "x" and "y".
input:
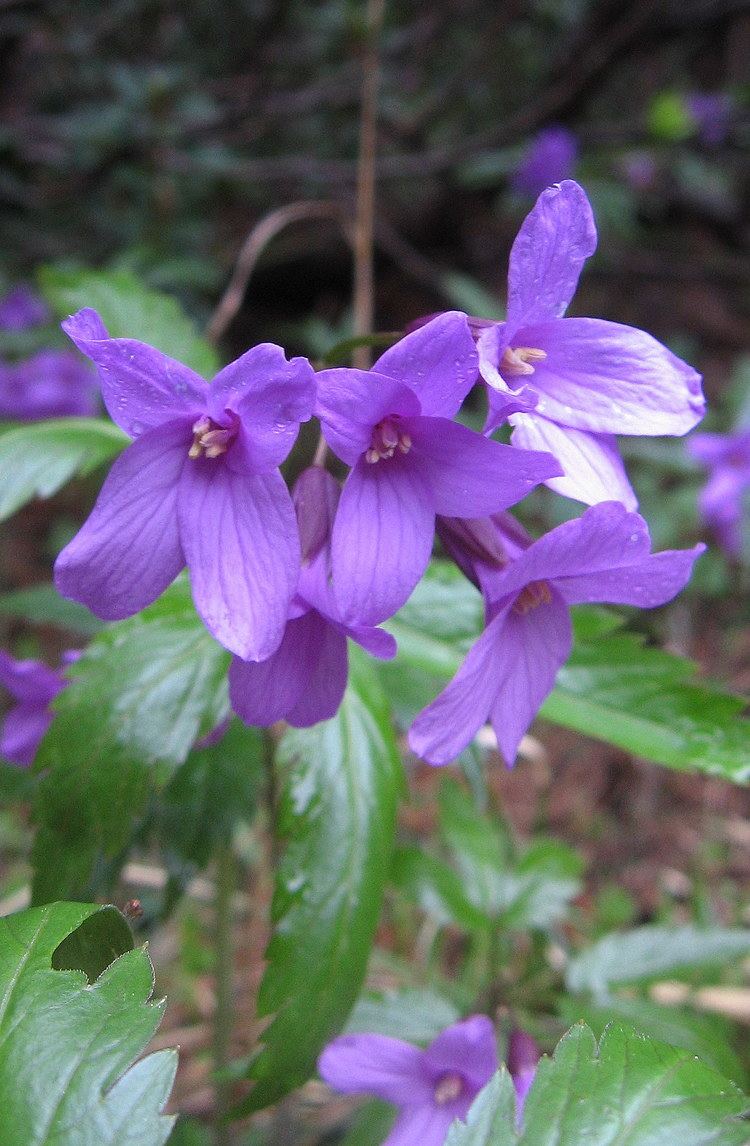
{"x": 602, "y": 557}
{"x": 21, "y": 309}
{"x": 393, "y": 425}
{"x": 711, "y": 112}
{"x": 49, "y": 384}
{"x": 33, "y": 686}
{"x": 550, "y": 157}
{"x": 198, "y": 486}
{"x": 304, "y": 680}
{"x": 721, "y": 502}
{"x": 523, "y": 1057}
{"x": 568, "y": 385}
{"x": 431, "y": 1087}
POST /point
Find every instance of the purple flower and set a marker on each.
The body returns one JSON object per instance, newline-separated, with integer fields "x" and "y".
{"x": 22, "y": 308}
{"x": 393, "y": 425}
{"x": 33, "y": 686}
{"x": 431, "y": 1087}
{"x": 603, "y": 556}
{"x": 568, "y": 385}
{"x": 711, "y": 113}
{"x": 550, "y": 157}
{"x": 304, "y": 680}
{"x": 198, "y": 486}
{"x": 721, "y": 502}
{"x": 50, "y": 384}
{"x": 523, "y": 1056}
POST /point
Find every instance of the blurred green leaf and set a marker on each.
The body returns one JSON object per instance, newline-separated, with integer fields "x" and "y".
{"x": 129, "y": 309}
{"x": 100, "y": 939}
{"x": 651, "y": 952}
{"x": 436, "y": 888}
{"x": 43, "y": 605}
{"x": 468, "y": 295}
{"x": 66, "y": 1044}
{"x": 415, "y": 1014}
{"x": 668, "y": 117}
{"x": 38, "y": 459}
{"x": 491, "y": 1115}
{"x": 339, "y": 782}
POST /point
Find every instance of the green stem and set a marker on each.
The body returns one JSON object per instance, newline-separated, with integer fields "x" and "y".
{"x": 223, "y": 971}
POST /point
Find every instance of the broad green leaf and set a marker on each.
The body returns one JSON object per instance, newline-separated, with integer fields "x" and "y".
{"x": 436, "y": 888}
{"x": 491, "y": 1114}
{"x": 652, "y": 951}
{"x": 39, "y": 458}
{"x": 130, "y": 309}
{"x": 339, "y": 782}
{"x": 627, "y": 1091}
{"x": 43, "y": 605}
{"x": 415, "y": 1014}
{"x": 142, "y": 693}
{"x": 66, "y": 1043}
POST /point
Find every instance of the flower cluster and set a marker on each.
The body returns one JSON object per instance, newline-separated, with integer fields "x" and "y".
{"x": 49, "y": 383}
{"x": 284, "y": 578}
{"x": 722, "y": 500}
{"x": 33, "y": 686}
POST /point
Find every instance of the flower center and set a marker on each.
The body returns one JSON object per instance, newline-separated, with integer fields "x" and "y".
{"x": 210, "y": 440}
{"x": 448, "y": 1088}
{"x": 386, "y": 439}
{"x": 517, "y": 360}
{"x": 534, "y": 594}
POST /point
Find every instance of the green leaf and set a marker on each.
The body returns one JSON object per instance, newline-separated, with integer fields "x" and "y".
{"x": 650, "y": 952}
{"x": 627, "y": 1090}
{"x": 43, "y": 605}
{"x": 481, "y": 848}
{"x": 37, "y": 459}
{"x": 66, "y": 1044}
{"x": 414, "y": 1014}
{"x": 142, "y": 693}
{"x": 339, "y": 782}
{"x": 437, "y": 889}
{"x": 129, "y": 309}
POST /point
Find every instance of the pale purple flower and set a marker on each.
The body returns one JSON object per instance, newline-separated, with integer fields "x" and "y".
{"x": 22, "y": 308}
{"x": 304, "y": 680}
{"x": 711, "y": 113}
{"x": 568, "y": 385}
{"x": 431, "y": 1087}
{"x": 198, "y": 486}
{"x": 33, "y": 686}
{"x": 722, "y": 500}
{"x": 550, "y": 157}
{"x": 602, "y": 557}
{"x": 523, "y": 1057}
{"x": 49, "y": 384}
{"x": 393, "y": 425}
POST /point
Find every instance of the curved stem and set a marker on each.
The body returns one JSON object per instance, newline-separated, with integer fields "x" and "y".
{"x": 223, "y": 971}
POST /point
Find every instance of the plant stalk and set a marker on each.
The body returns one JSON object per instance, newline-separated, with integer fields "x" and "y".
{"x": 224, "y": 975}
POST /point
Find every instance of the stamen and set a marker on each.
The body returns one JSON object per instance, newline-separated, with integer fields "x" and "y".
{"x": 531, "y": 596}
{"x": 448, "y": 1089}
{"x": 386, "y": 439}
{"x": 209, "y": 439}
{"x": 517, "y": 360}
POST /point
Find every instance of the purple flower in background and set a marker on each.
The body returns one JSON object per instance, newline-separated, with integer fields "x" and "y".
{"x": 721, "y": 502}
{"x": 393, "y": 425}
{"x": 523, "y": 1057}
{"x": 198, "y": 486}
{"x": 33, "y": 686}
{"x": 551, "y": 157}
{"x": 602, "y": 557}
{"x": 22, "y": 308}
{"x": 431, "y": 1087}
{"x": 304, "y": 680}
{"x": 49, "y": 384}
{"x": 568, "y": 385}
{"x": 711, "y": 113}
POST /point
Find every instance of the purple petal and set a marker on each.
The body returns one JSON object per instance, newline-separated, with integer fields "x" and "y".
{"x": 271, "y": 396}
{"x": 50, "y": 384}
{"x": 503, "y": 399}
{"x": 375, "y": 1064}
{"x": 302, "y": 682}
{"x": 550, "y": 158}
{"x": 376, "y": 642}
{"x": 469, "y": 475}
{"x": 437, "y": 361}
{"x": 422, "y": 1126}
{"x": 22, "y": 731}
{"x": 141, "y": 387}
{"x": 382, "y": 539}
{"x": 443, "y": 729}
{"x": 612, "y": 379}
{"x": 29, "y": 680}
{"x": 22, "y": 308}
{"x": 351, "y": 402}
{"x": 239, "y": 536}
{"x": 128, "y": 551}
{"x": 533, "y": 647}
{"x": 316, "y": 496}
{"x": 647, "y": 583}
{"x": 468, "y": 1048}
{"x": 554, "y": 241}
{"x": 593, "y": 467}
{"x": 721, "y": 506}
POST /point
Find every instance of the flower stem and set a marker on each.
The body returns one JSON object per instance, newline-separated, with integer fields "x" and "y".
{"x": 223, "y": 972}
